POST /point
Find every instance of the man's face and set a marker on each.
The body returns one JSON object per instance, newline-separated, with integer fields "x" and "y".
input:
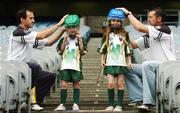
{"x": 153, "y": 19}
{"x": 29, "y": 20}
{"x": 72, "y": 30}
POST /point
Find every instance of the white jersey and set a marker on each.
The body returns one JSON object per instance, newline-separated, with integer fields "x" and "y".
{"x": 116, "y": 51}
{"x": 21, "y": 43}
{"x": 160, "y": 43}
{"x": 71, "y": 55}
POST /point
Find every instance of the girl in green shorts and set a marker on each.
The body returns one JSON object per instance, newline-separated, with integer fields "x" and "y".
{"x": 71, "y": 48}
{"x": 115, "y": 56}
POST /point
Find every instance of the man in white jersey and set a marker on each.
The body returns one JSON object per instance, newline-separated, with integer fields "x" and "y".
{"x": 22, "y": 41}
{"x": 160, "y": 42}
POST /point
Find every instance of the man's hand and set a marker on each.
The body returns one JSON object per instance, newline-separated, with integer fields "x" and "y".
{"x": 124, "y": 9}
{"x": 62, "y": 20}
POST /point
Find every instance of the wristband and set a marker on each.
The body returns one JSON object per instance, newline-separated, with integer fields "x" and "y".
{"x": 129, "y": 13}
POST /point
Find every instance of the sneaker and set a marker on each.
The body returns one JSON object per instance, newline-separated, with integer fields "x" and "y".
{"x": 109, "y": 108}
{"x": 138, "y": 103}
{"x": 143, "y": 107}
{"x": 24, "y": 106}
{"x": 60, "y": 108}
{"x": 75, "y": 107}
{"x": 118, "y": 109}
{"x": 36, "y": 107}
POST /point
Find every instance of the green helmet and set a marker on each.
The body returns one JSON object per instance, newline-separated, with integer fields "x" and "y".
{"x": 72, "y": 20}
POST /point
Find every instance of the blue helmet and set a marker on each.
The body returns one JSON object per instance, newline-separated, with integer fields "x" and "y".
{"x": 116, "y": 14}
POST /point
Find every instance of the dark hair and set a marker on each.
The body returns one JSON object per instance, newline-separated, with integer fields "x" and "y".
{"x": 22, "y": 14}
{"x": 159, "y": 13}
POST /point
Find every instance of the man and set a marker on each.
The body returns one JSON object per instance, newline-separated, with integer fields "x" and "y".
{"x": 160, "y": 41}
{"x": 22, "y": 41}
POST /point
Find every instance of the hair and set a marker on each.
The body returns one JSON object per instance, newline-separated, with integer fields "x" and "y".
{"x": 22, "y": 14}
{"x": 108, "y": 30}
{"x": 159, "y": 13}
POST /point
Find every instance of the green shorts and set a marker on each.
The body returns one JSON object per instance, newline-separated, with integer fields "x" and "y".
{"x": 115, "y": 70}
{"x": 71, "y": 75}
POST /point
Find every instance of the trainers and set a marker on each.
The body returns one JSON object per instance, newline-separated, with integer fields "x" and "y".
{"x": 75, "y": 107}
{"x": 117, "y": 109}
{"x": 143, "y": 107}
{"x": 60, "y": 108}
{"x": 36, "y": 107}
{"x": 138, "y": 103}
{"x": 23, "y": 106}
{"x": 109, "y": 108}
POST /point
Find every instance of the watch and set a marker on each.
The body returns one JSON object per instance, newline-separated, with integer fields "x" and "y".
{"x": 129, "y": 13}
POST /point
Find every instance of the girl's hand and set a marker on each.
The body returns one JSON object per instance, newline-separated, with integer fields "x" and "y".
{"x": 65, "y": 40}
{"x": 78, "y": 36}
{"x": 129, "y": 65}
{"x": 103, "y": 64}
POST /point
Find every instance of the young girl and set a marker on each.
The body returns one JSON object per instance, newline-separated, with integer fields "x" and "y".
{"x": 71, "y": 48}
{"x": 114, "y": 51}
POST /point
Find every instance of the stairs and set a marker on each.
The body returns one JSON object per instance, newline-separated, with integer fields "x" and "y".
{"x": 93, "y": 96}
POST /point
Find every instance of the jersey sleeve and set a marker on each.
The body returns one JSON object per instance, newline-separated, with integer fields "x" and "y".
{"x": 84, "y": 46}
{"x": 140, "y": 43}
{"x": 103, "y": 47}
{"x": 29, "y": 38}
{"x": 58, "y": 47}
{"x": 127, "y": 48}
{"x": 39, "y": 44}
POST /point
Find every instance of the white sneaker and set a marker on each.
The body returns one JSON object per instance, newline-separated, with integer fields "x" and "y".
{"x": 60, "y": 108}
{"x": 36, "y": 107}
{"x": 118, "y": 109}
{"x": 109, "y": 108}
{"x": 24, "y": 106}
{"x": 75, "y": 107}
{"x": 143, "y": 107}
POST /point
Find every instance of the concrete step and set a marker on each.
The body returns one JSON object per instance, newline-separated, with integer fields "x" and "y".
{"x": 89, "y": 96}
{"x": 88, "y": 103}
{"x": 92, "y": 60}
{"x": 89, "y": 111}
{"x": 55, "y": 100}
{"x": 85, "y": 107}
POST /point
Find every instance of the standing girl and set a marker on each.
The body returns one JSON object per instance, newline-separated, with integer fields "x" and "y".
{"x": 115, "y": 56}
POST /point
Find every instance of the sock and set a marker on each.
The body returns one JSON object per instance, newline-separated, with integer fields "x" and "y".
{"x": 111, "y": 97}
{"x": 120, "y": 97}
{"x": 76, "y": 96}
{"x": 33, "y": 95}
{"x": 63, "y": 96}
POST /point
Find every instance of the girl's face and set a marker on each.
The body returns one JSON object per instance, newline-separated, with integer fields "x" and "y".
{"x": 73, "y": 30}
{"x": 115, "y": 25}
{"x": 115, "y": 22}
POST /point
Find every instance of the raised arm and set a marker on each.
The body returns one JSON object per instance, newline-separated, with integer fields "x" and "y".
{"x": 54, "y": 38}
{"x": 45, "y": 33}
{"x": 135, "y": 22}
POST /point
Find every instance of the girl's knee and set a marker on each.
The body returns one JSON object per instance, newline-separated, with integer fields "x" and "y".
{"x": 111, "y": 85}
{"x": 120, "y": 85}
{"x": 64, "y": 84}
{"x": 76, "y": 85}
